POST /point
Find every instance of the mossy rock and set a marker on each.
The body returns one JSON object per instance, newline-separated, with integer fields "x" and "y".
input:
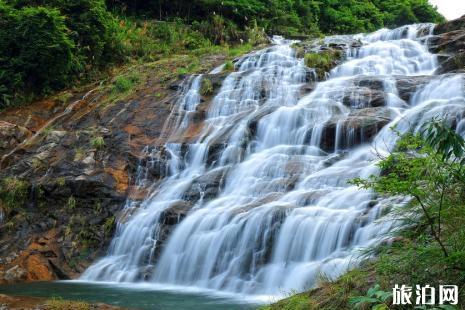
{"x": 323, "y": 61}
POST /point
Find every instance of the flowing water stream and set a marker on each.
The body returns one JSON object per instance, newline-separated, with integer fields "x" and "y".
{"x": 283, "y": 212}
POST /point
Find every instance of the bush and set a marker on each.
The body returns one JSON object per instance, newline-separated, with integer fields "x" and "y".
{"x": 45, "y": 45}
{"x": 13, "y": 193}
{"x": 323, "y": 61}
{"x": 428, "y": 168}
{"x": 36, "y": 52}
{"x": 206, "y": 88}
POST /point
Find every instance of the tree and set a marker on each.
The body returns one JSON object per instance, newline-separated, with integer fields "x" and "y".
{"x": 35, "y": 50}
{"x": 429, "y": 168}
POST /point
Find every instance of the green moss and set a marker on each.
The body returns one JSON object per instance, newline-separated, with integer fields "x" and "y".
{"x": 299, "y": 50}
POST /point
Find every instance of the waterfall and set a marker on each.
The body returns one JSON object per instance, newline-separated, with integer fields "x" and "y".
{"x": 282, "y": 212}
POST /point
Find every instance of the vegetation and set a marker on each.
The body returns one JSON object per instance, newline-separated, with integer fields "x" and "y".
{"x": 322, "y": 62}
{"x": 48, "y": 45}
{"x": 288, "y": 17}
{"x": 58, "y": 304}
{"x": 206, "y": 87}
{"x": 14, "y": 193}
{"x": 375, "y": 298}
{"x": 97, "y": 142}
{"x": 428, "y": 167}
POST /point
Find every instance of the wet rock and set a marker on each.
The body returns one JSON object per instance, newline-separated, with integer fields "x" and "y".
{"x": 453, "y": 64}
{"x": 359, "y": 127}
{"x": 408, "y": 85}
{"x": 456, "y": 24}
{"x": 206, "y": 186}
{"x": 363, "y": 97}
{"x": 450, "y": 42}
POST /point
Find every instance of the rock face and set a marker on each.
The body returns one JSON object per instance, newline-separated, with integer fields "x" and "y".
{"x": 449, "y": 42}
{"x": 68, "y": 166}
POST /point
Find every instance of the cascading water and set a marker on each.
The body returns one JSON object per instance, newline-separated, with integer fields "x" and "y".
{"x": 284, "y": 212}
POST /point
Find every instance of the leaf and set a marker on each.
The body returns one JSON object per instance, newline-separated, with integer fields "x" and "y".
{"x": 380, "y": 307}
{"x": 372, "y": 291}
{"x": 362, "y": 300}
{"x": 447, "y": 307}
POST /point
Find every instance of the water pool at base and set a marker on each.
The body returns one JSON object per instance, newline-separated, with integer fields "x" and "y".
{"x": 132, "y": 296}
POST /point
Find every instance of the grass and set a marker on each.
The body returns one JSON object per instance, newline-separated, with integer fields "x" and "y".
{"x": 71, "y": 203}
{"x": 124, "y": 84}
{"x": 13, "y": 193}
{"x": 60, "y": 304}
{"x": 109, "y": 225}
{"x": 330, "y": 295}
{"x": 228, "y": 66}
{"x": 97, "y": 142}
{"x": 206, "y": 89}
{"x": 410, "y": 260}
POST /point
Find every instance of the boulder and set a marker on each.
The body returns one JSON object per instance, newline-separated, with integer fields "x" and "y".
{"x": 453, "y": 64}
{"x": 359, "y": 127}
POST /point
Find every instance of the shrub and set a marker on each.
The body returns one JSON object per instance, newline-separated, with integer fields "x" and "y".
{"x": 428, "y": 168}
{"x": 323, "y": 61}
{"x": 206, "y": 88}
{"x": 13, "y": 193}
{"x": 36, "y": 52}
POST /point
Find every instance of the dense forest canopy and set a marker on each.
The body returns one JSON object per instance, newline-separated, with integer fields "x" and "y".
{"x": 46, "y": 45}
{"x": 292, "y": 16}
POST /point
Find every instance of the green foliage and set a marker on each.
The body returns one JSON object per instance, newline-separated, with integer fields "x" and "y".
{"x": 71, "y": 203}
{"x": 97, "y": 142}
{"x": 35, "y": 52}
{"x": 322, "y": 62}
{"x": 14, "y": 193}
{"x": 109, "y": 225}
{"x": 47, "y": 45}
{"x": 124, "y": 84}
{"x": 401, "y": 12}
{"x": 59, "y": 304}
{"x": 206, "y": 87}
{"x": 376, "y": 298}
{"x": 228, "y": 66}
{"x": 223, "y": 18}
{"x": 429, "y": 168}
